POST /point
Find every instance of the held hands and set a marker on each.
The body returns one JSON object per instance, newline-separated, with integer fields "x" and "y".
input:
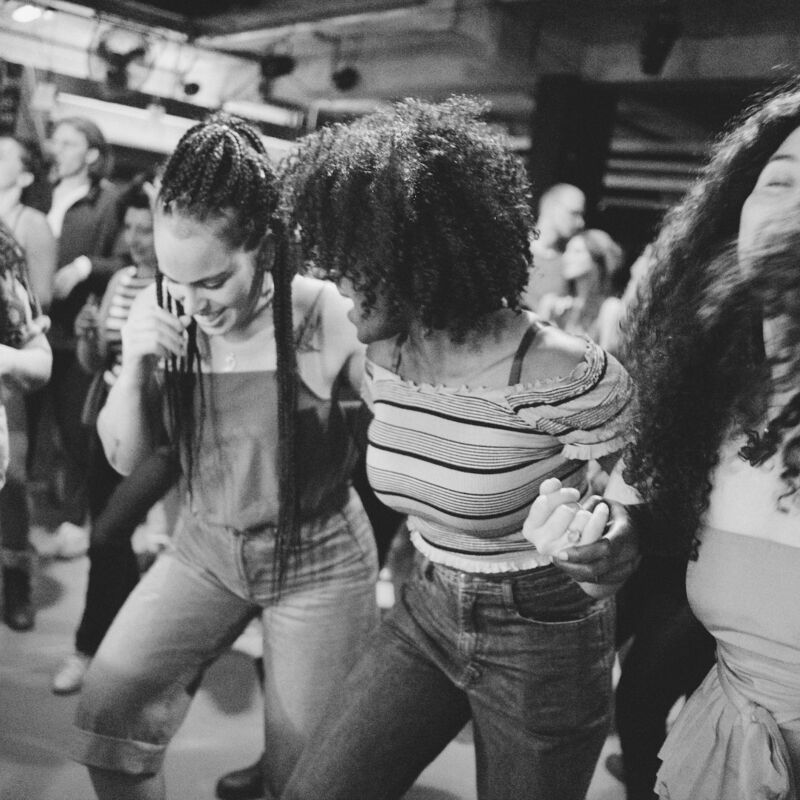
{"x": 595, "y": 543}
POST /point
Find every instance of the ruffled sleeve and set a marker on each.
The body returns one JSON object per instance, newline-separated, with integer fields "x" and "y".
{"x": 589, "y": 411}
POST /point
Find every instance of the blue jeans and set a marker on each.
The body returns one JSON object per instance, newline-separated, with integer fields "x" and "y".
{"x": 527, "y": 656}
{"x": 192, "y": 605}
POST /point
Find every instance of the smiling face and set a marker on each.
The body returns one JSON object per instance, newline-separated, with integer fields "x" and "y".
{"x": 775, "y": 196}
{"x": 209, "y": 278}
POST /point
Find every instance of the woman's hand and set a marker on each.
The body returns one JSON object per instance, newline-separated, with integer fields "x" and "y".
{"x": 604, "y": 565}
{"x": 150, "y": 334}
{"x": 557, "y": 521}
{"x": 594, "y": 543}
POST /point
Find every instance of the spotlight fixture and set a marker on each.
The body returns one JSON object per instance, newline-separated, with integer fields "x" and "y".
{"x": 661, "y": 30}
{"x": 345, "y": 78}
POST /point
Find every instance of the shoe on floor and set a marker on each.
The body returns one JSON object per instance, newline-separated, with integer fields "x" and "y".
{"x": 615, "y": 766}
{"x": 18, "y": 611}
{"x": 69, "y": 677}
{"x": 242, "y": 784}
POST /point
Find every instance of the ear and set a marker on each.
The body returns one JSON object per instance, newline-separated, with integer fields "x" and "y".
{"x": 25, "y": 179}
{"x": 92, "y": 154}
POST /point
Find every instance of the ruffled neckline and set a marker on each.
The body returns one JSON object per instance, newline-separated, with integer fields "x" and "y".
{"x": 591, "y": 355}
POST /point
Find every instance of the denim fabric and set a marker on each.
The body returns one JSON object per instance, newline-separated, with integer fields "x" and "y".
{"x": 194, "y": 602}
{"x": 527, "y": 656}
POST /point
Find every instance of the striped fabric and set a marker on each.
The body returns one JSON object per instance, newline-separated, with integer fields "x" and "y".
{"x": 465, "y": 465}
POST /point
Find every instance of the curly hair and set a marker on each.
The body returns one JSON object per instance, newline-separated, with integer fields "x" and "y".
{"x": 694, "y": 338}
{"x": 220, "y": 174}
{"x": 421, "y": 205}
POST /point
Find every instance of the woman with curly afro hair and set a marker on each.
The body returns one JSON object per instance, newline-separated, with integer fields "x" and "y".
{"x": 713, "y": 349}
{"x": 422, "y": 216}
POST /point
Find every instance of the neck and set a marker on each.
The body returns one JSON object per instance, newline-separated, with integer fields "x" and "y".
{"x": 259, "y": 318}
{"x": 9, "y": 200}
{"x": 434, "y": 357}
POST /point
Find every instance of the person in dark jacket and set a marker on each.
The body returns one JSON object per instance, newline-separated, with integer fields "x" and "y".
{"x": 84, "y": 217}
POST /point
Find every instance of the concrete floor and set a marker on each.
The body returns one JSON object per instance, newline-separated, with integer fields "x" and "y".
{"x": 222, "y": 730}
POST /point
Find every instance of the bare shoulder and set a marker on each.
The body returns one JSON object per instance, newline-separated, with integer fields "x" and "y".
{"x": 307, "y": 292}
{"x": 553, "y": 354}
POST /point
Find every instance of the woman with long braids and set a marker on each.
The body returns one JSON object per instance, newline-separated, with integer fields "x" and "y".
{"x": 423, "y": 215}
{"x": 715, "y": 350}
{"x": 236, "y": 361}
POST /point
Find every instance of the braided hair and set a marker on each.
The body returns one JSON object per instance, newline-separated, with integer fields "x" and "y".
{"x": 220, "y": 173}
{"x": 14, "y": 271}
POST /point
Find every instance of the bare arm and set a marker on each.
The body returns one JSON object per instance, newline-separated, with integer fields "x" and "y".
{"x": 130, "y": 423}
{"x": 40, "y": 250}
{"x": 27, "y": 368}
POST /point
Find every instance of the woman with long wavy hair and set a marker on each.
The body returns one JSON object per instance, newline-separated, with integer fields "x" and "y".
{"x": 714, "y": 349}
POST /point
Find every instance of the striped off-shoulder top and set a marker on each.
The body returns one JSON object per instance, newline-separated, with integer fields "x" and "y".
{"x": 465, "y": 464}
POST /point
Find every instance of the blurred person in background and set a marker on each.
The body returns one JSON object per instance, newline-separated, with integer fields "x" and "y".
{"x": 115, "y": 510}
{"x": 25, "y": 362}
{"x": 590, "y": 260}
{"x": 83, "y": 217}
{"x": 21, "y": 171}
{"x": 562, "y": 209}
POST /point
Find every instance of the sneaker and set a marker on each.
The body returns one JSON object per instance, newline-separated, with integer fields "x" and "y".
{"x": 69, "y": 678}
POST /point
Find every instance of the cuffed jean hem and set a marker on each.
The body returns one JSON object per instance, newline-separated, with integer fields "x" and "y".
{"x": 117, "y": 755}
